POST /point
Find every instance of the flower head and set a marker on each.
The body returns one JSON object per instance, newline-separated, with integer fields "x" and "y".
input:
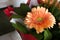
{"x": 39, "y": 19}
{"x": 8, "y": 10}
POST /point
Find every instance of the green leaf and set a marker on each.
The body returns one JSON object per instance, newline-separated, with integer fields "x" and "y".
{"x": 20, "y": 27}
{"x": 47, "y": 35}
{"x": 22, "y": 10}
{"x": 16, "y": 16}
{"x": 38, "y": 36}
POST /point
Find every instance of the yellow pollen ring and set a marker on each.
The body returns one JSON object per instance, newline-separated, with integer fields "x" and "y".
{"x": 39, "y": 19}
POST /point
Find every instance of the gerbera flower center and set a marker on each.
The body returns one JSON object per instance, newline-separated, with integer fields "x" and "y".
{"x": 39, "y": 19}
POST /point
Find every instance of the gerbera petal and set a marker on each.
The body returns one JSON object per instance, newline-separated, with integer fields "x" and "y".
{"x": 47, "y": 11}
{"x": 39, "y": 29}
{"x": 33, "y": 10}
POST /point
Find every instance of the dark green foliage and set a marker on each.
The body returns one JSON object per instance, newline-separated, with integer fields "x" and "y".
{"x": 20, "y": 27}
{"x": 5, "y": 25}
{"x": 47, "y": 35}
{"x": 16, "y": 16}
{"x": 22, "y": 10}
{"x": 38, "y": 36}
{"x": 55, "y": 11}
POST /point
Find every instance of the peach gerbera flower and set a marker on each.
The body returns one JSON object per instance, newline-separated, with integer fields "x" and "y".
{"x": 39, "y": 19}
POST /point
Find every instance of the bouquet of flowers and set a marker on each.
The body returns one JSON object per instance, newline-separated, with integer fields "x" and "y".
{"x": 38, "y": 22}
